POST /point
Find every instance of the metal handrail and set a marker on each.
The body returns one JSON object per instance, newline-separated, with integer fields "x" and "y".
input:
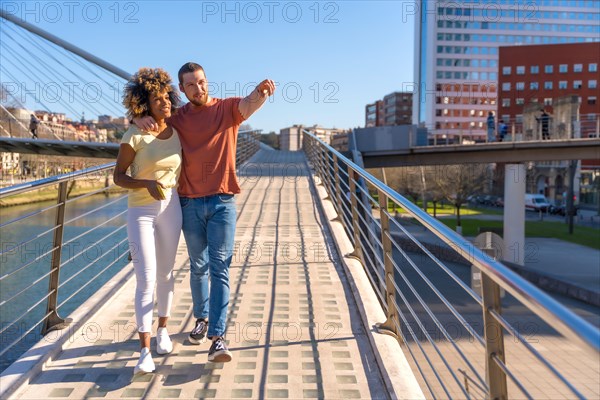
{"x": 330, "y": 165}
{"x": 535, "y": 299}
{"x": 52, "y": 180}
{"x": 248, "y": 145}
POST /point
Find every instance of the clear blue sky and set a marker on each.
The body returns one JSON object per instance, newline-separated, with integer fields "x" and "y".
{"x": 329, "y": 58}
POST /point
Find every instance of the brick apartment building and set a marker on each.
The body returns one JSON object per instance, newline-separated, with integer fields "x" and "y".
{"x": 544, "y": 73}
{"x": 374, "y": 115}
{"x": 394, "y": 109}
{"x": 536, "y": 76}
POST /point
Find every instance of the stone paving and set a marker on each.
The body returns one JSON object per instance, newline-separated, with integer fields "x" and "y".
{"x": 293, "y": 327}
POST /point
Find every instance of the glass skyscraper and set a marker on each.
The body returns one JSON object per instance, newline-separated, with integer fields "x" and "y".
{"x": 456, "y": 52}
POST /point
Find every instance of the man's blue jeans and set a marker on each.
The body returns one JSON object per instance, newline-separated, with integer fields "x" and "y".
{"x": 209, "y": 231}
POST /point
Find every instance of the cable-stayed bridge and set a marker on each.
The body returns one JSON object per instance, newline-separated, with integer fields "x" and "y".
{"x": 333, "y": 295}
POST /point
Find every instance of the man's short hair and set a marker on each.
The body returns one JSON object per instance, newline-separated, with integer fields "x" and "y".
{"x": 188, "y": 67}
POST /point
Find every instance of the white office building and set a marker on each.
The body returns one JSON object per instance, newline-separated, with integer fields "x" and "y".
{"x": 456, "y": 53}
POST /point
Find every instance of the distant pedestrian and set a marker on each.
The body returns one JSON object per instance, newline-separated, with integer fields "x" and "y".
{"x": 502, "y": 130}
{"x": 33, "y": 125}
{"x": 491, "y": 127}
{"x": 544, "y": 119}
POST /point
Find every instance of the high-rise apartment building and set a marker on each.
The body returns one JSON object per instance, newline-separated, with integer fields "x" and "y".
{"x": 374, "y": 115}
{"x": 456, "y": 52}
{"x": 394, "y": 109}
{"x": 397, "y": 109}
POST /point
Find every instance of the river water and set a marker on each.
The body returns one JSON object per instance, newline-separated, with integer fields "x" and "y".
{"x": 95, "y": 250}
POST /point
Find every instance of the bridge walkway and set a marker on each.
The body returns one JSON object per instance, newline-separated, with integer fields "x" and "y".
{"x": 294, "y": 327}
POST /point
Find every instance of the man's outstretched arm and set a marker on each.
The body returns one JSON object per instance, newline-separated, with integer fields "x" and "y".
{"x": 249, "y": 104}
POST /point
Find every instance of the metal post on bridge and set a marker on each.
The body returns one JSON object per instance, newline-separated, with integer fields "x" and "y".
{"x": 315, "y": 159}
{"x": 53, "y": 320}
{"x": 325, "y": 171}
{"x": 338, "y": 191}
{"x": 357, "y": 252}
{"x": 494, "y": 339}
{"x": 390, "y": 326}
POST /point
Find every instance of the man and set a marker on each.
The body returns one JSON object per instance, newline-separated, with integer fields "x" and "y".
{"x": 33, "y": 125}
{"x": 544, "y": 119}
{"x": 491, "y": 127}
{"x": 208, "y": 129}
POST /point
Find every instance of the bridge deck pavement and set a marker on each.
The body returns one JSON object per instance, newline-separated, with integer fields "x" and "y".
{"x": 293, "y": 326}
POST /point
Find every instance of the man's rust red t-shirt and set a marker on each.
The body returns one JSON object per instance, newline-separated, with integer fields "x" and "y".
{"x": 208, "y": 137}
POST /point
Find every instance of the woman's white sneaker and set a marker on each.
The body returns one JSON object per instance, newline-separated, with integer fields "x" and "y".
{"x": 164, "y": 345}
{"x": 145, "y": 364}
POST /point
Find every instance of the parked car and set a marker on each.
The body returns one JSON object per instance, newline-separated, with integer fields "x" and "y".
{"x": 561, "y": 209}
{"x": 536, "y": 202}
{"x": 489, "y": 200}
{"x": 557, "y": 209}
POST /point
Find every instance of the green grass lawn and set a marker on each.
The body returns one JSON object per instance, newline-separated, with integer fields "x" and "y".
{"x": 583, "y": 235}
{"x": 446, "y": 209}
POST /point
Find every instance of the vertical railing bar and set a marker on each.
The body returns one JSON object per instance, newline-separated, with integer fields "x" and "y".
{"x": 54, "y": 321}
{"x": 388, "y": 326}
{"x": 337, "y": 194}
{"x": 494, "y": 338}
{"x": 357, "y": 251}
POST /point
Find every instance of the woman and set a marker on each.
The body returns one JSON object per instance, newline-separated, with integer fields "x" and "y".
{"x": 154, "y": 213}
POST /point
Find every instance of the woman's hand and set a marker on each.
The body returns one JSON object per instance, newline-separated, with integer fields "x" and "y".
{"x": 156, "y": 189}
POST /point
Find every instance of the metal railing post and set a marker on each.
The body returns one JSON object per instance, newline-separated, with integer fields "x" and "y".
{"x": 325, "y": 176}
{"x": 390, "y": 325}
{"x": 338, "y": 191}
{"x": 494, "y": 339}
{"x": 357, "y": 252}
{"x": 54, "y": 321}
{"x": 320, "y": 163}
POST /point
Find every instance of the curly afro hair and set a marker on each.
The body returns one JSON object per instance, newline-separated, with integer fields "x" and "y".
{"x": 145, "y": 82}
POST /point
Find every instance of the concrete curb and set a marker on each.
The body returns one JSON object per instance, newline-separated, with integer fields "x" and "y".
{"x": 556, "y": 285}
{"x": 31, "y": 363}
{"x": 393, "y": 365}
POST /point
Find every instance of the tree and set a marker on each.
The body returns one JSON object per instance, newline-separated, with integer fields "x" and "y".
{"x": 435, "y": 194}
{"x": 457, "y": 182}
{"x": 245, "y": 127}
{"x": 404, "y": 180}
{"x": 270, "y": 139}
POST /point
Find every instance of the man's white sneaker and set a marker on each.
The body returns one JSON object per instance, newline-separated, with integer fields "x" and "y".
{"x": 163, "y": 341}
{"x": 145, "y": 364}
